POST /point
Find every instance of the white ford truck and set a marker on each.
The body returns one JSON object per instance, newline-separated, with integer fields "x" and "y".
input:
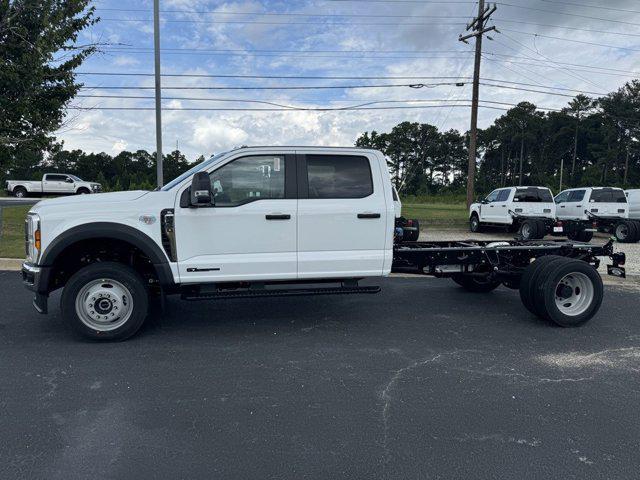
{"x": 268, "y": 221}
{"x": 589, "y": 209}
{"x": 528, "y": 210}
{"x": 52, "y": 183}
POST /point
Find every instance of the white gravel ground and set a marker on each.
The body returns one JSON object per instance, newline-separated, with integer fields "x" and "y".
{"x": 631, "y": 249}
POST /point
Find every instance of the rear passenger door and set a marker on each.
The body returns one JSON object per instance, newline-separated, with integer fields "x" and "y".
{"x": 342, "y": 216}
{"x": 54, "y": 183}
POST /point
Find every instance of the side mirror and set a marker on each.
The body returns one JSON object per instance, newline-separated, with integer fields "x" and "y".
{"x": 201, "y": 195}
{"x": 69, "y": 180}
{"x": 483, "y": 201}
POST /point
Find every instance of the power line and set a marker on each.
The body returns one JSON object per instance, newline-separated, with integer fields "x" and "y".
{"x": 571, "y": 40}
{"x": 285, "y": 55}
{"x": 280, "y": 105}
{"x": 557, "y": 12}
{"x": 296, "y": 87}
{"x": 259, "y": 22}
{"x": 586, "y": 5}
{"x": 356, "y": 15}
{"x": 566, "y": 27}
{"x": 290, "y": 109}
{"x": 280, "y": 14}
{"x": 279, "y": 77}
{"x": 631, "y": 72}
{"x": 567, "y": 70}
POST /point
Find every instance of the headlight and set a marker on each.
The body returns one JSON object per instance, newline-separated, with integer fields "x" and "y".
{"x": 32, "y": 237}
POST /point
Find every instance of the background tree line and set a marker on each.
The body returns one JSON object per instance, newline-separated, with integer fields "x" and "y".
{"x": 595, "y": 141}
{"x": 124, "y": 171}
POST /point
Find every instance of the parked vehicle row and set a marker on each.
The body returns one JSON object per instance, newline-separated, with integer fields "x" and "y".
{"x": 577, "y": 213}
{"x": 275, "y": 221}
{"x": 52, "y": 183}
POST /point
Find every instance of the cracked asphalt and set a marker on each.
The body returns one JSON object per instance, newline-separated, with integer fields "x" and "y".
{"x": 420, "y": 381}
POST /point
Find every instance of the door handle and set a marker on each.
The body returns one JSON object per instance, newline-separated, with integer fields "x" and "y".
{"x": 278, "y": 216}
{"x": 368, "y": 215}
{"x": 491, "y": 206}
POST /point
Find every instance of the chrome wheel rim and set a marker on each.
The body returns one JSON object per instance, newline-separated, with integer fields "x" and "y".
{"x": 474, "y": 224}
{"x": 574, "y": 294}
{"x": 526, "y": 231}
{"x": 622, "y": 232}
{"x": 104, "y": 304}
{"x": 19, "y": 194}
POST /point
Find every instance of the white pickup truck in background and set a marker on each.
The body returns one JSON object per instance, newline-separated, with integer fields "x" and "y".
{"x": 52, "y": 183}
{"x": 605, "y": 209}
{"x": 530, "y": 211}
{"x": 274, "y": 221}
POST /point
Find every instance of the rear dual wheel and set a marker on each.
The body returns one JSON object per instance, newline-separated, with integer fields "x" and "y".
{"x": 627, "y": 231}
{"x": 566, "y": 291}
{"x": 532, "y": 229}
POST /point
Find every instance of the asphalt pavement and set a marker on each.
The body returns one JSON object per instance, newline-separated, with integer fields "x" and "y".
{"x": 12, "y": 201}
{"x": 420, "y": 381}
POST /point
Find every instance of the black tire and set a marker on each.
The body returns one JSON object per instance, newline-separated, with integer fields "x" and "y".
{"x": 581, "y": 236}
{"x": 472, "y": 283}
{"x": 20, "y": 192}
{"x": 108, "y": 272}
{"x": 83, "y": 191}
{"x": 636, "y": 226}
{"x": 541, "y": 230}
{"x": 528, "y": 230}
{"x": 626, "y": 231}
{"x": 412, "y": 235}
{"x": 573, "y": 281}
{"x": 474, "y": 224}
{"x": 530, "y": 278}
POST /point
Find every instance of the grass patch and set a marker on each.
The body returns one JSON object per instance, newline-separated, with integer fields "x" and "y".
{"x": 443, "y": 214}
{"x": 12, "y": 235}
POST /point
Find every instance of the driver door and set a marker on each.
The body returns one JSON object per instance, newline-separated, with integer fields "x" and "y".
{"x": 251, "y": 231}
{"x": 488, "y": 207}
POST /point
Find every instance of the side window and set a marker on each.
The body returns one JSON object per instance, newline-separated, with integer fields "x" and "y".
{"x": 576, "y": 196}
{"x": 339, "y": 176}
{"x": 55, "y": 178}
{"x": 247, "y": 179}
{"x": 562, "y": 197}
{"x": 493, "y": 196}
{"x": 503, "y": 195}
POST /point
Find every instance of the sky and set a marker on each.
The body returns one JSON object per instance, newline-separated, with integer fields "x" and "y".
{"x": 559, "y": 47}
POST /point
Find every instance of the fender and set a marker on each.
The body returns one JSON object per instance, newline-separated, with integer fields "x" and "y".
{"x": 117, "y": 231}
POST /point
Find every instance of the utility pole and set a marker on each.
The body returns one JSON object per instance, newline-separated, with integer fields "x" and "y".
{"x": 156, "y": 52}
{"x": 477, "y": 27}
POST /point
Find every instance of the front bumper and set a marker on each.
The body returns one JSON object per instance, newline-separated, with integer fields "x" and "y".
{"x": 36, "y": 279}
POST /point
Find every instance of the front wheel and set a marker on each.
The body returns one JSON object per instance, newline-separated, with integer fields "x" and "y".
{"x": 105, "y": 301}
{"x": 474, "y": 224}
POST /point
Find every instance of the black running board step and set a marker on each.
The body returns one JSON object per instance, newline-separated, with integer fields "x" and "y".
{"x": 280, "y": 293}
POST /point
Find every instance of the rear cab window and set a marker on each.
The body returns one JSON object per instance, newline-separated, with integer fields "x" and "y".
{"x": 533, "y": 195}
{"x": 339, "y": 176}
{"x": 608, "y": 195}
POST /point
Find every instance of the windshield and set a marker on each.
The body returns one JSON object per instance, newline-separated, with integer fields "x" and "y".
{"x": 77, "y": 179}
{"x": 191, "y": 171}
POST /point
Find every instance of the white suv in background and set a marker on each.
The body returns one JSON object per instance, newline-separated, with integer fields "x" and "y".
{"x": 529, "y": 210}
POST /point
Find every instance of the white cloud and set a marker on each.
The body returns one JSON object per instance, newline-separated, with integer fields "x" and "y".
{"x": 119, "y": 146}
{"x": 125, "y": 61}
{"x": 214, "y": 135}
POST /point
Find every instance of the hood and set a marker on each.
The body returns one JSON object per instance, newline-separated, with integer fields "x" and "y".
{"x": 112, "y": 197}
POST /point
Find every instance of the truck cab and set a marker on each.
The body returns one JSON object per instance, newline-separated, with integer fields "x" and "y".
{"x": 249, "y": 216}
{"x": 529, "y": 210}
